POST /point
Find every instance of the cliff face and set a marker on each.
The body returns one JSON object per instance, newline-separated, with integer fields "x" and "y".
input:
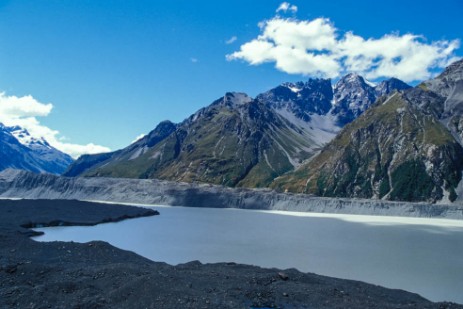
{"x": 407, "y": 146}
{"x": 393, "y": 151}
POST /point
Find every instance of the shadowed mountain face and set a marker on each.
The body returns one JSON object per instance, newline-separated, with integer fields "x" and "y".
{"x": 301, "y": 99}
{"x": 405, "y": 147}
{"x": 237, "y": 140}
{"x": 19, "y": 150}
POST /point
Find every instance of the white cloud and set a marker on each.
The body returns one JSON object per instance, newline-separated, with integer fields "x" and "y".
{"x": 23, "y": 111}
{"x": 315, "y": 47}
{"x": 194, "y": 60}
{"x": 285, "y": 7}
{"x": 27, "y": 106}
{"x": 139, "y": 137}
{"x": 231, "y": 40}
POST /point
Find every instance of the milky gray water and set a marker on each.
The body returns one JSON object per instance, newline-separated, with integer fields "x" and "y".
{"x": 418, "y": 255}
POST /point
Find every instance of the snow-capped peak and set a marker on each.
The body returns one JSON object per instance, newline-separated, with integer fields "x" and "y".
{"x": 31, "y": 153}
{"x": 350, "y": 79}
{"x": 24, "y": 137}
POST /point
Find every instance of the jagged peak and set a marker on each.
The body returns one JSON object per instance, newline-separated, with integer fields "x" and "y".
{"x": 393, "y": 80}
{"x": 351, "y": 79}
{"x": 16, "y": 128}
{"x": 294, "y": 87}
{"x": 237, "y": 98}
{"x": 300, "y": 85}
{"x": 162, "y": 130}
{"x": 389, "y": 85}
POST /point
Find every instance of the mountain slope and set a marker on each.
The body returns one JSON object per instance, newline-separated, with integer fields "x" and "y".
{"x": 19, "y": 150}
{"x": 237, "y": 140}
{"x": 234, "y": 141}
{"x": 393, "y": 151}
{"x": 136, "y": 149}
{"x": 449, "y": 85}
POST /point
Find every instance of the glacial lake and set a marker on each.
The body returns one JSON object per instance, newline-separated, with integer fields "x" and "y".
{"x": 424, "y": 256}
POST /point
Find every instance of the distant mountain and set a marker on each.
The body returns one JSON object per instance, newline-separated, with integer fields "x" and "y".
{"x": 237, "y": 140}
{"x": 20, "y": 150}
{"x": 136, "y": 149}
{"x": 389, "y": 86}
{"x": 405, "y": 147}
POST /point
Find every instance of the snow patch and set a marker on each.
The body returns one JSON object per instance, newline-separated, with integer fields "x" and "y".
{"x": 370, "y": 83}
{"x": 267, "y": 161}
{"x": 374, "y": 220}
{"x": 321, "y": 128}
{"x": 156, "y": 155}
{"x": 388, "y": 99}
{"x": 23, "y": 136}
{"x": 294, "y": 89}
{"x": 446, "y": 198}
{"x": 138, "y": 153}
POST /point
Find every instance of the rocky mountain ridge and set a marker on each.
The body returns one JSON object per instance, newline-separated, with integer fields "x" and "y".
{"x": 405, "y": 147}
{"x": 353, "y": 139}
{"x": 241, "y": 141}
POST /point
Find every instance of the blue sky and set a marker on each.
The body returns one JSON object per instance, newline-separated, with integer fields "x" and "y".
{"x": 113, "y": 70}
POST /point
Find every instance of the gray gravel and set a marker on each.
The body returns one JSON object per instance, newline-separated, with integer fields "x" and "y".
{"x": 15, "y": 183}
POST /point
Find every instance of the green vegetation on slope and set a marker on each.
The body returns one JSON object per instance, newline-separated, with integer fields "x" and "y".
{"x": 392, "y": 151}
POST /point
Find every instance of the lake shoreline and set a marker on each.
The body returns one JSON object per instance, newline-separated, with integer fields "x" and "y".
{"x": 96, "y": 274}
{"x": 351, "y": 217}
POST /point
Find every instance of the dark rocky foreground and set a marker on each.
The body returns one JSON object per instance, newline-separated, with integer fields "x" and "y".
{"x": 98, "y": 275}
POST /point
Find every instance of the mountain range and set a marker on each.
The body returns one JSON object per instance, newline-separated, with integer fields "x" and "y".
{"x": 242, "y": 141}
{"x": 353, "y": 138}
{"x": 407, "y": 146}
{"x": 20, "y": 150}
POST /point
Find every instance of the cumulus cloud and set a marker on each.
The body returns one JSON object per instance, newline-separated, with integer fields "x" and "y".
{"x": 231, "y": 40}
{"x": 316, "y": 47}
{"x": 27, "y": 106}
{"x": 285, "y": 7}
{"x": 139, "y": 137}
{"x": 23, "y": 112}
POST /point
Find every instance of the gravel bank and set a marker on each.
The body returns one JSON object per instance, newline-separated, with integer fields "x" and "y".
{"x": 148, "y": 191}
